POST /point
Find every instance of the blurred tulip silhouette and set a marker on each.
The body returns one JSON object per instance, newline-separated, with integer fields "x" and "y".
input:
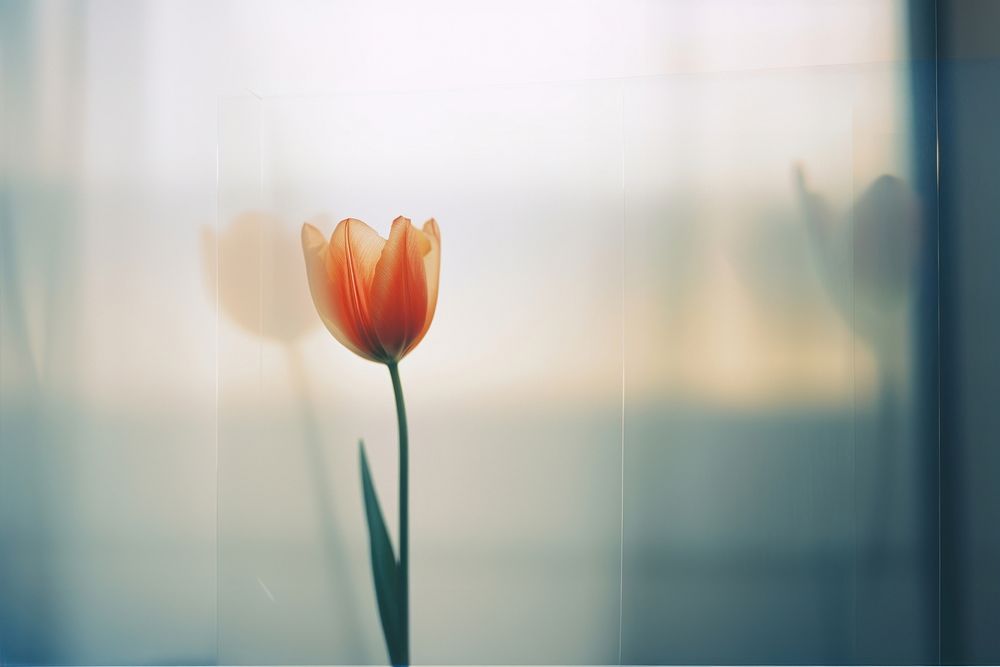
{"x": 258, "y": 264}
{"x": 868, "y": 261}
{"x": 255, "y": 267}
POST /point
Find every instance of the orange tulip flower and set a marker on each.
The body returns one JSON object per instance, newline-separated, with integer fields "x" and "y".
{"x": 376, "y": 296}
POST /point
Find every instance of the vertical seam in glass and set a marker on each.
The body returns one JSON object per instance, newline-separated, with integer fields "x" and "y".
{"x": 854, "y": 402}
{"x": 260, "y": 248}
{"x": 621, "y": 524}
{"x": 218, "y": 467}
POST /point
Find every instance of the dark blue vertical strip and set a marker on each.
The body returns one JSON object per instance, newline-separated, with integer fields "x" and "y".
{"x": 952, "y": 622}
{"x": 922, "y": 27}
{"x": 969, "y": 139}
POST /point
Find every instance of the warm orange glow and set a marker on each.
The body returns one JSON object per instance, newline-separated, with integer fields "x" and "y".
{"x": 377, "y": 297}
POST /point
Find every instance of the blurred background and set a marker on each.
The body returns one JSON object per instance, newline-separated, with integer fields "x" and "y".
{"x": 711, "y": 378}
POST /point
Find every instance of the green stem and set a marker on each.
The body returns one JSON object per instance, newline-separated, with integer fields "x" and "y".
{"x": 404, "y": 531}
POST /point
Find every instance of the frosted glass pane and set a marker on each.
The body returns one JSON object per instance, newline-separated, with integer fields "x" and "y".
{"x": 514, "y": 396}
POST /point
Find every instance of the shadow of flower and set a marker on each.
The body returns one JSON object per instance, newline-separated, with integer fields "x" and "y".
{"x": 868, "y": 260}
{"x": 867, "y": 255}
{"x": 255, "y": 268}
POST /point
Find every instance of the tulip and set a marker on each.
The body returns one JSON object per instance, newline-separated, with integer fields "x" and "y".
{"x": 377, "y": 297}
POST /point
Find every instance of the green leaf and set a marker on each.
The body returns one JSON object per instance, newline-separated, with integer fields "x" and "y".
{"x": 384, "y": 567}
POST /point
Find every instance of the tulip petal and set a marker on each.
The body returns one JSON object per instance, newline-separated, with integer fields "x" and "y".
{"x": 339, "y": 272}
{"x": 432, "y": 272}
{"x": 399, "y": 289}
{"x": 315, "y": 250}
